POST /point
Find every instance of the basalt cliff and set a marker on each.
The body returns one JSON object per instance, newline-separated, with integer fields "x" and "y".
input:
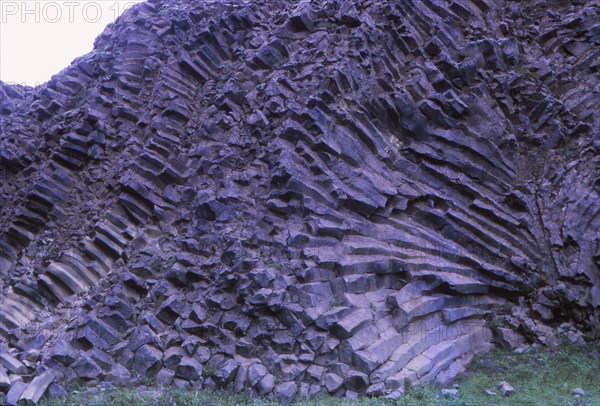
{"x": 292, "y": 197}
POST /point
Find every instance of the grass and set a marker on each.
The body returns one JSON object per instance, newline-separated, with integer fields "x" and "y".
{"x": 544, "y": 376}
{"x": 526, "y": 72}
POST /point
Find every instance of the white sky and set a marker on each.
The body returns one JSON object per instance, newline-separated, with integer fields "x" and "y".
{"x": 39, "y": 38}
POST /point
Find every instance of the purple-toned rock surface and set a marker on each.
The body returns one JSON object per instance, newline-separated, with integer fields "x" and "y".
{"x": 302, "y": 197}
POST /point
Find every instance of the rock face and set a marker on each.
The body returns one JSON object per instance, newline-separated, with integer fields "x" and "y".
{"x": 301, "y": 196}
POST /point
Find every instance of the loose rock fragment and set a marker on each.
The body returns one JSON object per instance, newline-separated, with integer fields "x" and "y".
{"x": 505, "y": 388}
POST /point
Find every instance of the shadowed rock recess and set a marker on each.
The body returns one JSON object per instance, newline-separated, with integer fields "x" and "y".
{"x": 300, "y": 197}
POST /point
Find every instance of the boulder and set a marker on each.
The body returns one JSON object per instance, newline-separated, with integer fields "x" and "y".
{"x": 147, "y": 360}
{"x": 256, "y": 372}
{"x": 266, "y": 385}
{"x": 505, "y": 388}
{"x": 86, "y": 368}
{"x": 4, "y": 380}
{"x": 56, "y": 391}
{"x": 351, "y": 323}
{"x": 508, "y": 338}
{"x": 37, "y": 387}
{"x": 173, "y": 357}
{"x": 12, "y": 364}
{"x": 226, "y": 373}
{"x": 165, "y": 376}
{"x": 285, "y": 392}
{"x": 170, "y": 310}
{"x": 376, "y": 390}
{"x": 332, "y": 382}
{"x": 64, "y": 353}
{"x": 189, "y": 369}
{"x": 119, "y": 376}
{"x": 451, "y": 393}
{"x": 15, "y": 392}
{"x": 356, "y": 381}
{"x": 302, "y": 18}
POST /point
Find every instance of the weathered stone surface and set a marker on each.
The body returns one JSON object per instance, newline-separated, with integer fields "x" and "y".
{"x": 225, "y": 373}
{"x": 266, "y": 385}
{"x": 86, "y": 368}
{"x": 15, "y": 392}
{"x": 376, "y": 390}
{"x": 285, "y": 392}
{"x": 351, "y": 323}
{"x": 451, "y": 393}
{"x": 509, "y": 339}
{"x": 173, "y": 357}
{"x": 332, "y": 382}
{"x": 37, "y": 387}
{"x": 119, "y": 376}
{"x": 256, "y": 372}
{"x": 333, "y": 193}
{"x": 147, "y": 360}
{"x": 189, "y": 369}
{"x": 4, "y": 380}
{"x": 356, "y": 381}
{"x": 302, "y": 18}
{"x": 32, "y": 355}
{"x": 165, "y": 376}
{"x": 12, "y": 364}
{"x": 170, "y": 310}
{"x": 64, "y": 353}
{"x": 505, "y": 388}
{"x": 56, "y": 391}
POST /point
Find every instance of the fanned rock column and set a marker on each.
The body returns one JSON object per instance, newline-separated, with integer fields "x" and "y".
{"x": 301, "y": 197}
